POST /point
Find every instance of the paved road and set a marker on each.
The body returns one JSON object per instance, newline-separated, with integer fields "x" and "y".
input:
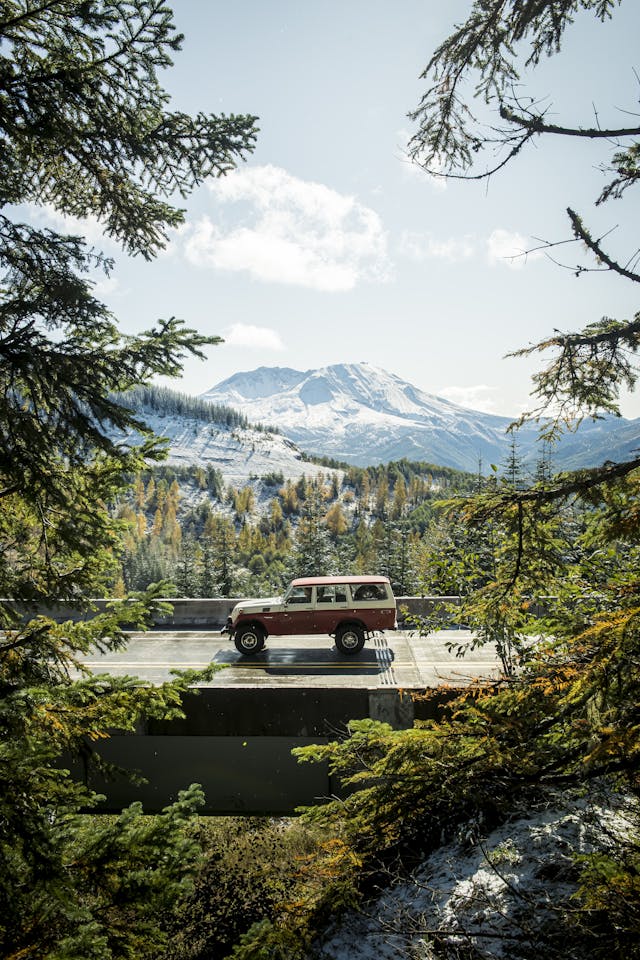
{"x": 396, "y": 658}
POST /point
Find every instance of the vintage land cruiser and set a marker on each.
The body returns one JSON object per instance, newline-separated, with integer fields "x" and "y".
{"x": 349, "y": 609}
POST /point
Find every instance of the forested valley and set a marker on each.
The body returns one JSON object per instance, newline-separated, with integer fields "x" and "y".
{"x": 186, "y": 526}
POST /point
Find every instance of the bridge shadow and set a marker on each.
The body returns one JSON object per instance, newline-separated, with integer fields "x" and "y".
{"x": 308, "y": 662}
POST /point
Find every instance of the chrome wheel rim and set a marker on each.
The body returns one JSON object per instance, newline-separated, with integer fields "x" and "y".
{"x": 350, "y": 639}
{"x": 249, "y": 641}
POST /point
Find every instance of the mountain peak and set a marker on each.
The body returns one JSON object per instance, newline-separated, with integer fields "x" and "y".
{"x": 257, "y": 384}
{"x": 362, "y": 414}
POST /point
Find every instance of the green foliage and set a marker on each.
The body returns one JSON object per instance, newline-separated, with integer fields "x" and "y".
{"x": 590, "y": 369}
{"x": 313, "y": 552}
{"x": 85, "y": 128}
{"x": 89, "y": 129}
{"x": 255, "y": 872}
{"x": 66, "y": 882}
{"x": 275, "y": 479}
{"x": 568, "y": 717}
{"x": 265, "y": 941}
{"x": 90, "y": 886}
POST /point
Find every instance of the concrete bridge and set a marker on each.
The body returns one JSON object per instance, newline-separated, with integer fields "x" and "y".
{"x": 239, "y": 729}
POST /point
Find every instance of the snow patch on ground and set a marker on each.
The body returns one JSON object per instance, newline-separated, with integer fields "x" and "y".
{"x": 494, "y": 894}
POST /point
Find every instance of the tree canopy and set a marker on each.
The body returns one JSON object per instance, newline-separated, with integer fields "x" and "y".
{"x": 86, "y": 130}
{"x": 564, "y": 716}
{"x": 85, "y": 124}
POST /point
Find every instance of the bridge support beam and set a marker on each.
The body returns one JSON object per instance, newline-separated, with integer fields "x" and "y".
{"x": 237, "y": 742}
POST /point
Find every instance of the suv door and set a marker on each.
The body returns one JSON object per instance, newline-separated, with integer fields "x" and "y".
{"x": 298, "y": 613}
{"x": 331, "y": 600}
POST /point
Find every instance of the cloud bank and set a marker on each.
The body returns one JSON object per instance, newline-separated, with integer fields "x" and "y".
{"x": 281, "y": 229}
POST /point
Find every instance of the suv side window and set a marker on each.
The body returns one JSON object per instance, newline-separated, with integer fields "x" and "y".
{"x": 332, "y": 593}
{"x": 369, "y": 591}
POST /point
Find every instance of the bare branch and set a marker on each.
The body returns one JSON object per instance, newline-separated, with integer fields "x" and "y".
{"x": 581, "y": 233}
{"x": 535, "y": 124}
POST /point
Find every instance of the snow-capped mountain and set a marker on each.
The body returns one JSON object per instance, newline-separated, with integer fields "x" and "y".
{"x": 364, "y": 415}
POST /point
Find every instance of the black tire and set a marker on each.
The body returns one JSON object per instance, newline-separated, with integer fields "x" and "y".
{"x": 249, "y": 640}
{"x": 349, "y": 638}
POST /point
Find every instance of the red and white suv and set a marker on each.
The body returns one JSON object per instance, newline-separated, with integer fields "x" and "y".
{"x": 349, "y": 609}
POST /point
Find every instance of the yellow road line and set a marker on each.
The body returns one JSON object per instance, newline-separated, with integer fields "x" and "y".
{"x": 240, "y": 665}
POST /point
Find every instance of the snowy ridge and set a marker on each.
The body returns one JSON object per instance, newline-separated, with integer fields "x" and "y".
{"x": 240, "y": 453}
{"x": 364, "y": 415}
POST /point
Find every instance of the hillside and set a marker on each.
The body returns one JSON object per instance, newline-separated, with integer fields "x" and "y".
{"x": 216, "y": 435}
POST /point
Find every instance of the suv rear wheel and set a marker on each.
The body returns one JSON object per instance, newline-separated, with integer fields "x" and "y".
{"x": 249, "y": 639}
{"x": 350, "y": 638}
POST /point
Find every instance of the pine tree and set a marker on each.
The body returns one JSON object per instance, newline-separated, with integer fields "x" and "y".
{"x": 313, "y": 553}
{"x": 222, "y": 547}
{"x": 85, "y": 127}
{"x": 513, "y": 473}
{"x": 186, "y": 575}
{"x": 208, "y": 584}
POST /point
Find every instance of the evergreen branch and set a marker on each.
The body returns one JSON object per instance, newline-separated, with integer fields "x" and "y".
{"x": 449, "y": 175}
{"x": 29, "y": 14}
{"x": 579, "y": 482}
{"x": 586, "y": 376}
{"x": 608, "y": 332}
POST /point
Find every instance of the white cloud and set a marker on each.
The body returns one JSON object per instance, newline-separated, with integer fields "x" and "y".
{"x": 419, "y": 246}
{"x": 292, "y": 231}
{"x": 256, "y": 338}
{"x": 476, "y": 397}
{"x": 501, "y": 247}
{"x": 509, "y": 249}
{"x": 106, "y": 287}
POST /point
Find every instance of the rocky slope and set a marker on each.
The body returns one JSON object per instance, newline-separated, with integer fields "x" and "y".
{"x": 240, "y": 451}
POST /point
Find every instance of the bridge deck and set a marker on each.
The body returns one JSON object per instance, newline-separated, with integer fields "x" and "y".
{"x": 394, "y": 659}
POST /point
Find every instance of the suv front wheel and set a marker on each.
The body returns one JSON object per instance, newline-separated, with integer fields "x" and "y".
{"x": 349, "y": 638}
{"x": 249, "y": 639}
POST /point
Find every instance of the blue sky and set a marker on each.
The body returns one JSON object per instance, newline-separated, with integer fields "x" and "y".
{"x": 328, "y": 246}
